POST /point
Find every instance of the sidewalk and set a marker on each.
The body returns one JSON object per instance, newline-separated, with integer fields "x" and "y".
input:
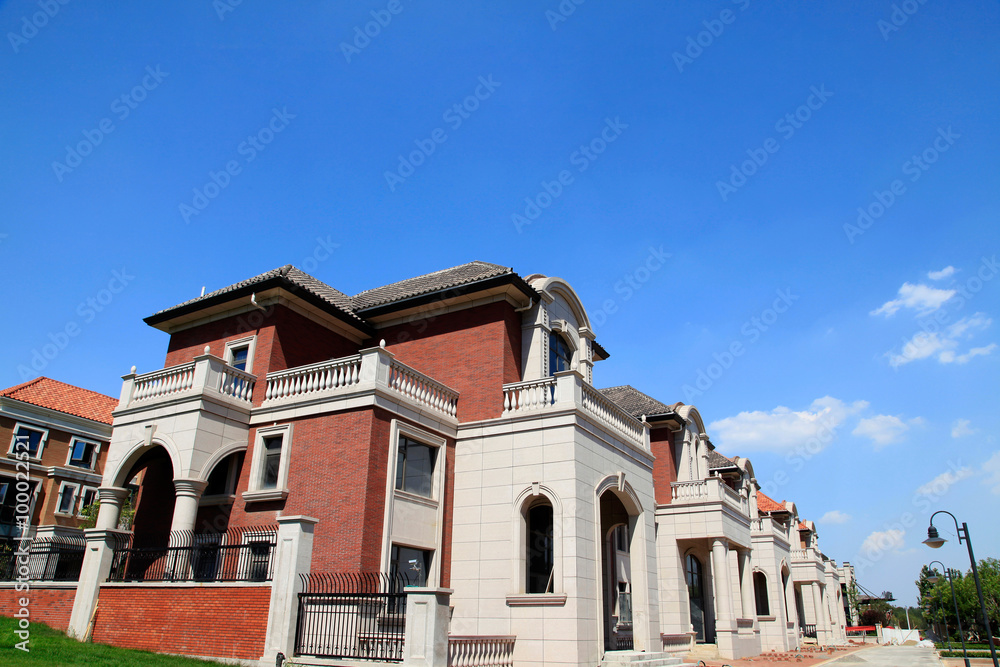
{"x": 806, "y": 657}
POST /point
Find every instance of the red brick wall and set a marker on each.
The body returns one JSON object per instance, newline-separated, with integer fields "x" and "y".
{"x": 216, "y": 621}
{"x": 664, "y": 468}
{"x": 285, "y": 339}
{"x": 474, "y": 351}
{"x": 338, "y": 467}
{"x": 51, "y": 606}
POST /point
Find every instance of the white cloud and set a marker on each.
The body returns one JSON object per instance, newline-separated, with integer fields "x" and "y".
{"x": 782, "y": 429}
{"x": 944, "y": 344}
{"x": 943, "y": 273}
{"x": 992, "y": 468}
{"x": 940, "y": 484}
{"x": 881, "y": 541}
{"x": 921, "y": 298}
{"x": 835, "y": 516}
{"x": 884, "y": 429}
{"x": 961, "y": 428}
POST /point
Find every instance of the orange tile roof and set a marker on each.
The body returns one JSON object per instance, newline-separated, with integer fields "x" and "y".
{"x": 803, "y": 526}
{"x": 765, "y": 504}
{"x": 47, "y": 393}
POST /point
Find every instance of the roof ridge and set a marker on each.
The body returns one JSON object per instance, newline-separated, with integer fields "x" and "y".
{"x": 10, "y": 390}
{"x": 432, "y": 273}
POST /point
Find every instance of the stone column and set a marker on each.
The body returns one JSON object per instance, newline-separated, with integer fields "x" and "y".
{"x": 187, "y": 495}
{"x": 292, "y": 557}
{"x": 821, "y": 614}
{"x": 111, "y": 498}
{"x": 686, "y": 462}
{"x": 93, "y": 572}
{"x": 703, "y": 457}
{"x": 720, "y": 574}
{"x": 746, "y": 586}
{"x": 426, "y": 641}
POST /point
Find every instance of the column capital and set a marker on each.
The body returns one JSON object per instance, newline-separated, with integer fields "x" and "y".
{"x": 190, "y": 487}
{"x": 720, "y": 541}
{"x": 115, "y": 495}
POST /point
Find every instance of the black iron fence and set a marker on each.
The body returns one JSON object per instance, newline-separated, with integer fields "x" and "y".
{"x": 239, "y": 554}
{"x": 41, "y": 559}
{"x": 809, "y": 631}
{"x": 360, "y": 615}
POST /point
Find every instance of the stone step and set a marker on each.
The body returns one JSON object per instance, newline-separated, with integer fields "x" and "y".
{"x": 641, "y": 659}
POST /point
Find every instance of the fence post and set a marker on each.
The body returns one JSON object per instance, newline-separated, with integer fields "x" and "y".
{"x": 93, "y": 572}
{"x": 292, "y": 557}
{"x": 427, "y": 618}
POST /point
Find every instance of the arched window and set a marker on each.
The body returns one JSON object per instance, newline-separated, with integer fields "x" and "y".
{"x": 760, "y": 592}
{"x": 560, "y": 354}
{"x": 538, "y": 555}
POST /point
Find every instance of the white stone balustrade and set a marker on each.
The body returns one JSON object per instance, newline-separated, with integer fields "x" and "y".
{"x": 206, "y": 375}
{"x": 372, "y": 368}
{"x": 712, "y": 489}
{"x": 568, "y": 389}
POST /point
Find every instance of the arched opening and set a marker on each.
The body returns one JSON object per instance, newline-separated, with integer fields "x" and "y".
{"x": 539, "y": 557}
{"x": 153, "y": 472}
{"x": 217, "y": 500}
{"x": 560, "y": 354}
{"x": 694, "y": 577}
{"x": 760, "y": 594}
{"x": 617, "y": 532}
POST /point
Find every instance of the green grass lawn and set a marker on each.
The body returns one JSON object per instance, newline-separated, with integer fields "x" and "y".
{"x": 52, "y": 647}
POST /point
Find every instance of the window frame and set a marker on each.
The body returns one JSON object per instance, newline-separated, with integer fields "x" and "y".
{"x": 402, "y": 430}
{"x": 31, "y": 427}
{"x": 401, "y": 463}
{"x": 249, "y": 342}
{"x": 761, "y": 594}
{"x": 93, "y": 454}
{"x": 554, "y": 336}
{"x": 523, "y": 502}
{"x": 535, "y": 503}
{"x": 84, "y": 489}
{"x": 256, "y": 492}
{"x": 58, "y": 511}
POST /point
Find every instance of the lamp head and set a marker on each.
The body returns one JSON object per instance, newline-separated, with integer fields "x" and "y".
{"x": 934, "y": 541}
{"x": 933, "y": 579}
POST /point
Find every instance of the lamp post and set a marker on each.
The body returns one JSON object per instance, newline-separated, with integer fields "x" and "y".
{"x": 961, "y": 634}
{"x": 934, "y": 541}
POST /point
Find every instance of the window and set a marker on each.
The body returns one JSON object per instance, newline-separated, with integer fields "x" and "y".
{"x": 539, "y": 552}
{"x": 560, "y": 354}
{"x": 239, "y": 353}
{"x": 272, "y": 461}
{"x": 81, "y": 453}
{"x": 269, "y": 466}
{"x": 67, "y": 498}
{"x": 621, "y": 538}
{"x": 3, "y": 492}
{"x": 411, "y": 564}
{"x": 760, "y": 592}
{"x": 415, "y": 467}
{"x": 28, "y": 439}
{"x": 88, "y": 497}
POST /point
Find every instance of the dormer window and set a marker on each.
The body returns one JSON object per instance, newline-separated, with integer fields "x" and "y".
{"x": 239, "y": 353}
{"x": 239, "y": 357}
{"x": 560, "y": 354}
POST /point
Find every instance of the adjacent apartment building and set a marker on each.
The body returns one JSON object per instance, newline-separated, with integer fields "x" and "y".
{"x": 445, "y": 431}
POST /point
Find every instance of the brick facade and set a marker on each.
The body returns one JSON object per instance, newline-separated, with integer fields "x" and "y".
{"x": 661, "y": 441}
{"x": 50, "y": 606}
{"x": 211, "y": 621}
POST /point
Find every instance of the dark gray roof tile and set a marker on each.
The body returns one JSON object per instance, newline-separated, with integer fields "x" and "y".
{"x": 430, "y": 282}
{"x": 635, "y": 402}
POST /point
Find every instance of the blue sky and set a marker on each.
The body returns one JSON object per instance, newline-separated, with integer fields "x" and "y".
{"x": 200, "y": 143}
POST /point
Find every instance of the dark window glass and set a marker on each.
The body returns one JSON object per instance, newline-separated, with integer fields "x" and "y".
{"x": 560, "y": 356}
{"x": 28, "y": 436}
{"x": 760, "y": 592}
{"x": 89, "y": 496}
{"x": 66, "y": 499}
{"x": 272, "y": 461}
{"x": 694, "y": 577}
{"x": 83, "y": 454}
{"x": 411, "y": 564}
{"x": 415, "y": 467}
{"x": 539, "y": 557}
{"x": 239, "y": 357}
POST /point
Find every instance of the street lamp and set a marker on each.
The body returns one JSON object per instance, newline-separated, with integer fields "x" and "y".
{"x": 934, "y": 541}
{"x": 934, "y": 579}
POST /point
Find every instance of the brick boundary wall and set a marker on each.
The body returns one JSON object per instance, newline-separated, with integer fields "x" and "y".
{"x": 210, "y": 621}
{"x": 51, "y": 606}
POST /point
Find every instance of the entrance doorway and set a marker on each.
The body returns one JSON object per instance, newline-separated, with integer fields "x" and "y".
{"x": 617, "y": 528}
{"x": 696, "y": 595}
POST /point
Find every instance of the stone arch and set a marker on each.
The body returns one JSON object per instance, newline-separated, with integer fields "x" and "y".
{"x": 525, "y": 500}
{"x": 554, "y": 287}
{"x": 218, "y": 456}
{"x": 122, "y": 474}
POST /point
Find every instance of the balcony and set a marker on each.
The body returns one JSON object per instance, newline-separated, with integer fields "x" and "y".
{"x": 207, "y": 377}
{"x": 708, "y": 490}
{"x": 372, "y": 370}
{"x": 768, "y": 527}
{"x": 568, "y": 389}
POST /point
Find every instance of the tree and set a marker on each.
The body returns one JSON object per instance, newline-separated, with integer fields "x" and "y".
{"x": 936, "y": 600}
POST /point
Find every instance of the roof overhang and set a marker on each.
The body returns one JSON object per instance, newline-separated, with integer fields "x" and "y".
{"x": 509, "y": 284}
{"x": 671, "y": 420}
{"x": 235, "y": 301}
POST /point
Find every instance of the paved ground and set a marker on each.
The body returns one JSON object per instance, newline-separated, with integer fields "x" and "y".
{"x": 880, "y": 656}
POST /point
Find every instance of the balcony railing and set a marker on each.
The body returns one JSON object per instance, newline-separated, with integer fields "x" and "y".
{"x": 206, "y": 375}
{"x": 375, "y": 367}
{"x": 712, "y": 489}
{"x": 568, "y": 389}
{"x": 768, "y": 526}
